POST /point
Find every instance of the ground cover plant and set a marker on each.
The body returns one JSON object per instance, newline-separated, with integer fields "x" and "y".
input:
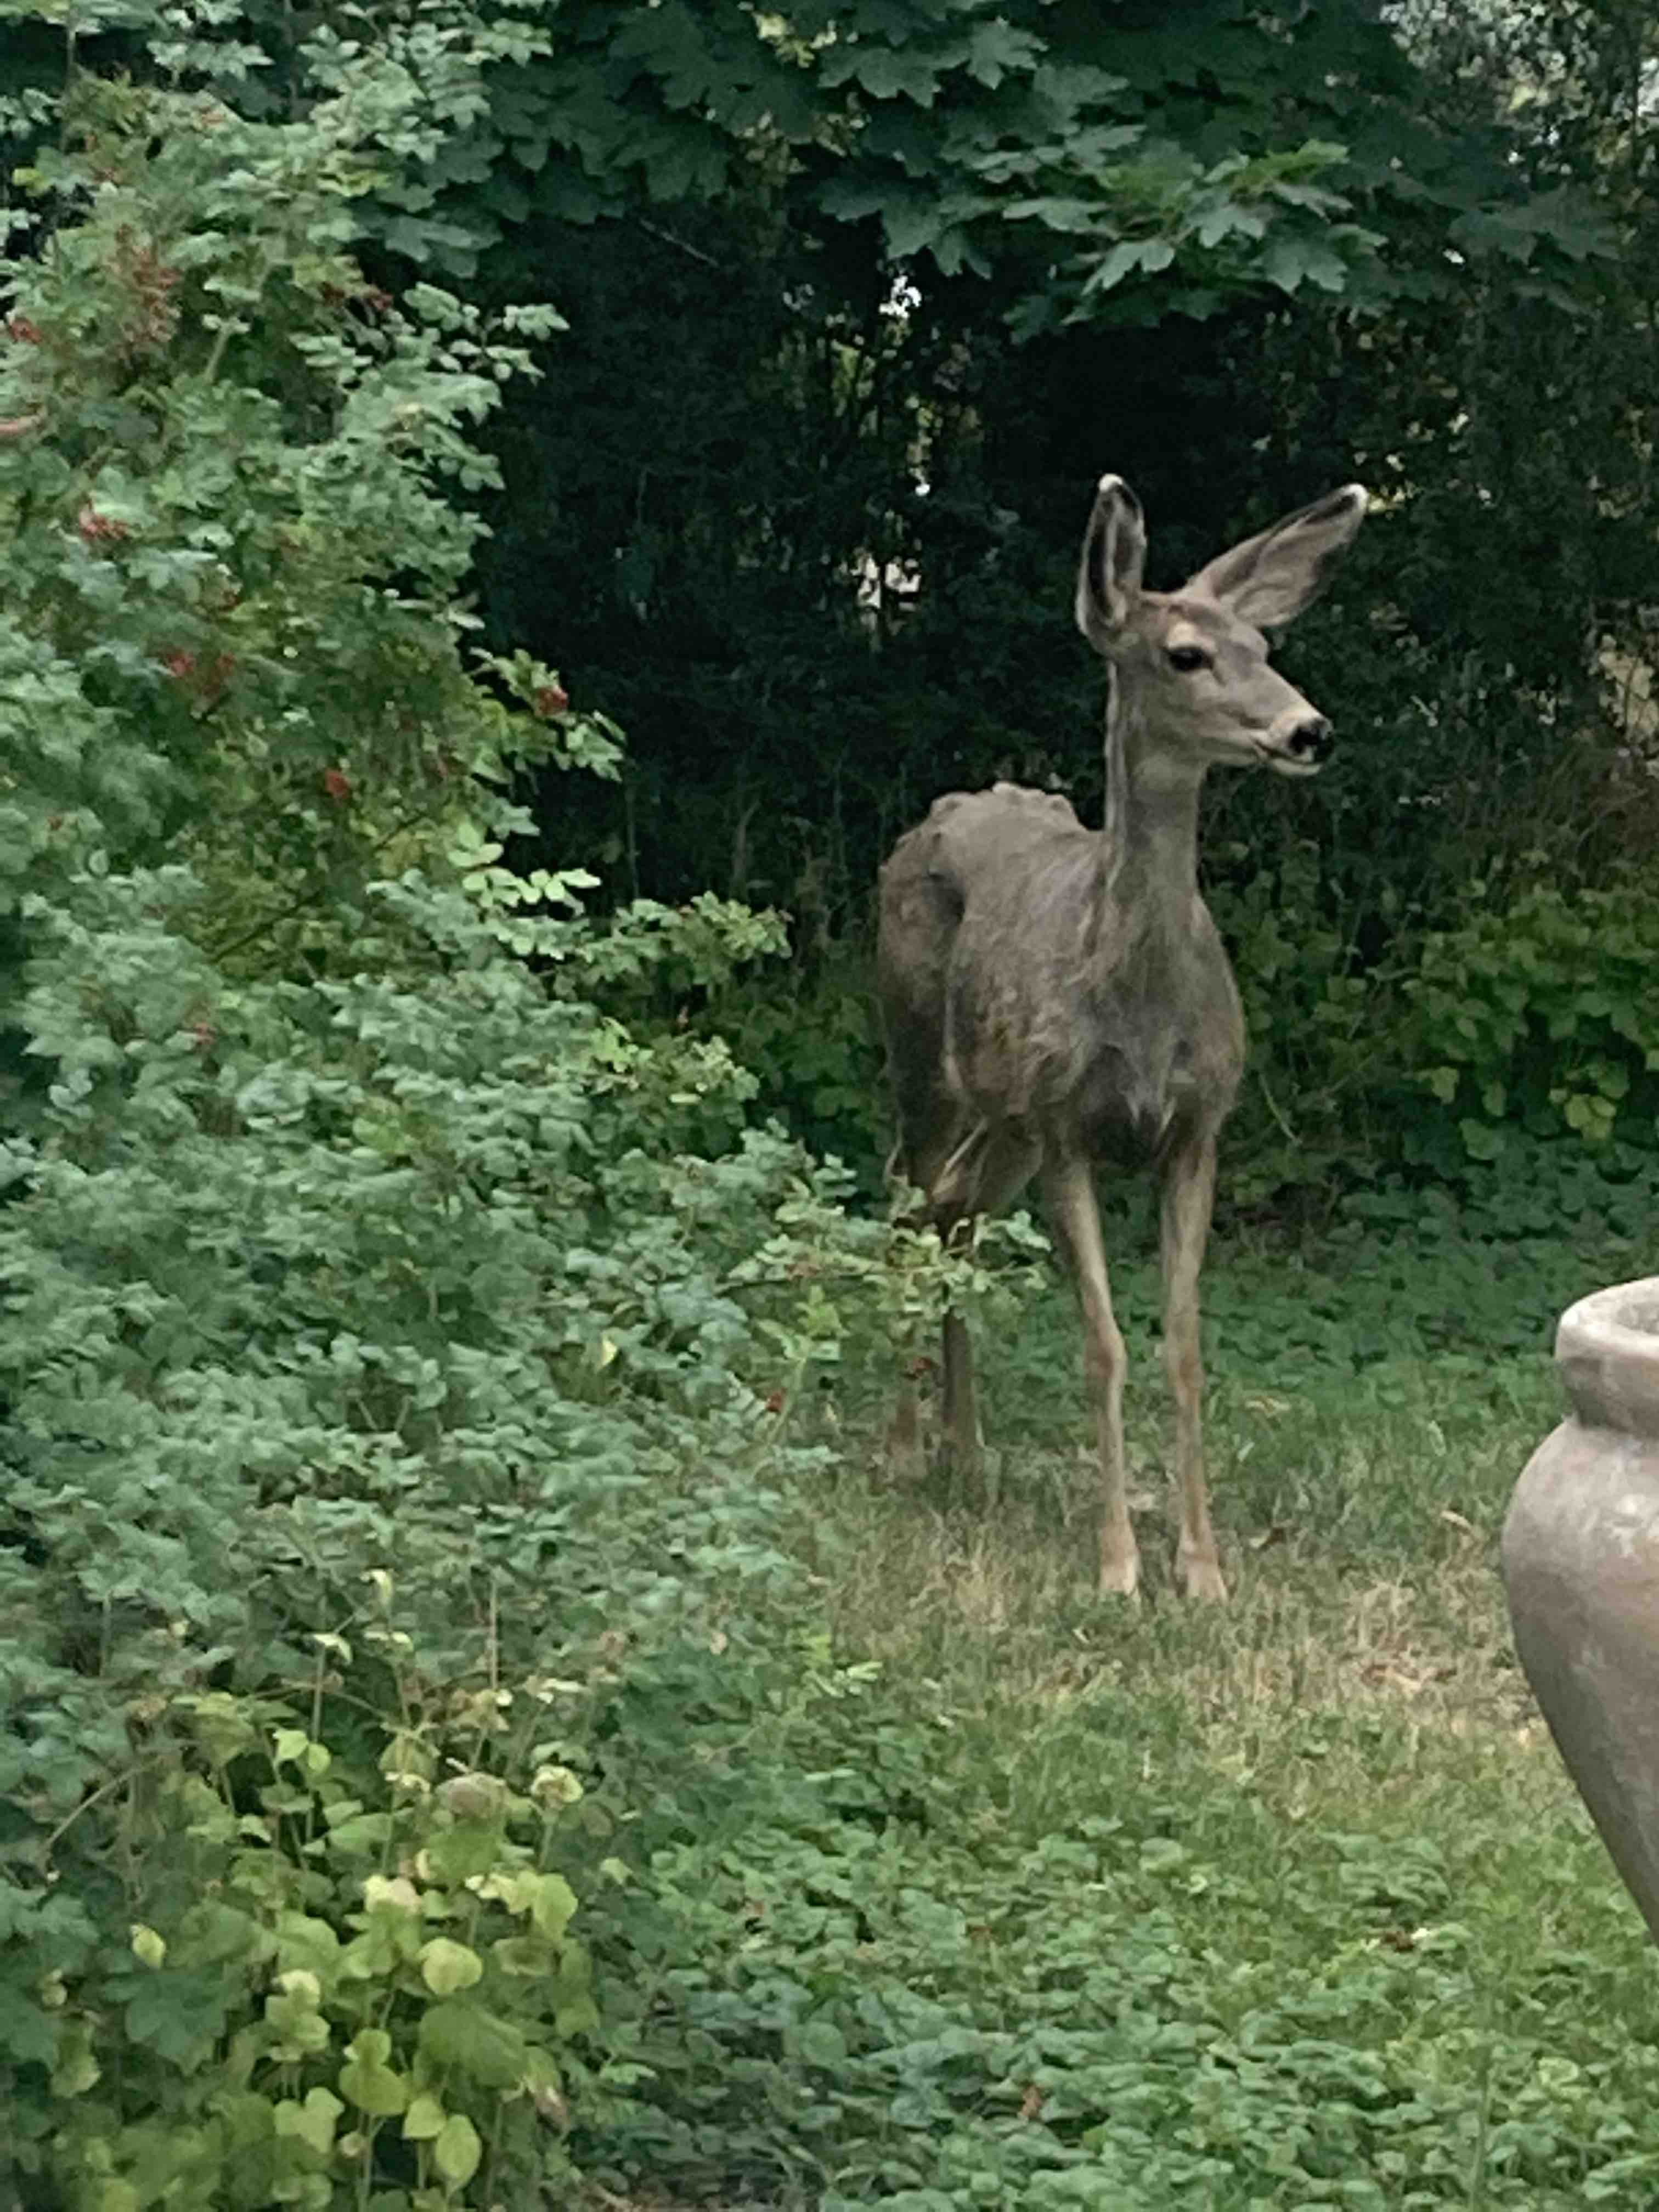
{"x": 1287, "y": 1905}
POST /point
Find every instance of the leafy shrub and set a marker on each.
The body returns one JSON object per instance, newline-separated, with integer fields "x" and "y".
{"x": 814, "y": 1048}
{"x": 400, "y": 1343}
{"x": 1521, "y": 1039}
{"x": 1311, "y": 1010}
{"x": 392, "y": 1280}
{"x": 341, "y": 1962}
{"x": 311, "y": 1286}
{"x": 1535, "y": 1016}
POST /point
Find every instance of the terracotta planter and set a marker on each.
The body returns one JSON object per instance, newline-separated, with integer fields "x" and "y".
{"x": 1581, "y": 1568}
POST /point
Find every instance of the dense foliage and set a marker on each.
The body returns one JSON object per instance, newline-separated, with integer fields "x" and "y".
{"x": 398, "y": 1345}
{"x": 809, "y": 518}
{"x": 860, "y": 302}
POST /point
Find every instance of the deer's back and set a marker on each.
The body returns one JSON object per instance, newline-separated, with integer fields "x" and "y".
{"x": 1013, "y": 988}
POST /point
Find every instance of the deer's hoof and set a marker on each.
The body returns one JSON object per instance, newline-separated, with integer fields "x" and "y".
{"x": 903, "y": 1459}
{"x": 1121, "y": 1576}
{"x": 1201, "y": 1581}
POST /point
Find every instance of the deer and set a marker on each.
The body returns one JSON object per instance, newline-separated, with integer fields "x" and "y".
{"x": 1055, "y": 1000}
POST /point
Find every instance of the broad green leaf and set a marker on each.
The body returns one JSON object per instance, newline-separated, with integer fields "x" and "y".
{"x": 554, "y": 1905}
{"x": 885, "y": 72}
{"x": 457, "y": 2151}
{"x": 312, "y": 2121}
{"x": 471, "y": 1847}
{"x": 303, "y": 1940}
{"x": 176, "y": 2014}
{"x": 424, "y": 2118}
{"x": 447, "y": 1967}
{"x": 524, "y": 1956}
{"x": 29, "y": 2031}
{"x": 298, "y": 2029}
{"x": 821, "y": 2043}
{"x": 360, "y": 1837}
{"x": 457, "y": 2032}
{"x": 367, "y": 2081}
{"x": 391, "y": 1893}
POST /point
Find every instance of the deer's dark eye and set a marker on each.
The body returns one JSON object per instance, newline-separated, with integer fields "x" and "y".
{"x": 1187, "y": 658}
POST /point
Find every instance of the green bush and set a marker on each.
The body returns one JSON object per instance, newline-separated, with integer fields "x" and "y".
{"x": 401, "y": 1341}
{"x": 814, "y": 1047}
{"x": 1534, "y": 1018}
{"x": 367, "y": 1963}
{"x": 1521, "y": 1043}
{"x": 318, "y": 1292}
{"x": 1311, "y": 1009}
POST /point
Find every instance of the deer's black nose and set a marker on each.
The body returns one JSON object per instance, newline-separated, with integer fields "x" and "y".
{"x": 1312, "y": 740}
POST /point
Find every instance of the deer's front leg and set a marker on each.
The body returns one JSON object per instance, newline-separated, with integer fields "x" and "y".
{"x": 1188, "y": 1194}
{"x": 1071, "y": 1192}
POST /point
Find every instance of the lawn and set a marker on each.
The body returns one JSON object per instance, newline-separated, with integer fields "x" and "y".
{"x": 1036, "y": 1900}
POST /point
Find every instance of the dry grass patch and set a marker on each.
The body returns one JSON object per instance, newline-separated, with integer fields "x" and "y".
{"x": 1363, "y": 1669}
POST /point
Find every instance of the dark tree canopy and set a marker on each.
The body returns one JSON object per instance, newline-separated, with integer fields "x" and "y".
{"x": 860, "y": 299}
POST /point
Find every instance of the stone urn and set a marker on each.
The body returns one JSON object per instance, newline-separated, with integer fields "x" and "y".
{"x": 1581, "y": 1568}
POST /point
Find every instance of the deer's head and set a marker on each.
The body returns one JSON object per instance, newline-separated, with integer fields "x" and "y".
{"x": 1192, "y": 664}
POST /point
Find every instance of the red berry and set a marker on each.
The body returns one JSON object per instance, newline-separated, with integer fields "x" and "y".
{"x": 96, "y": 528}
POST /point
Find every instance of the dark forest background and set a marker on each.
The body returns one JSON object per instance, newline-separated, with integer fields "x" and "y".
{"x": 858, "y": 302}
{"x": 1417, "y": 247}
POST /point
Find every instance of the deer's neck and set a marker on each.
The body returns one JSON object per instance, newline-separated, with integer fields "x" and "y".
{"x": 1151, "y": 858}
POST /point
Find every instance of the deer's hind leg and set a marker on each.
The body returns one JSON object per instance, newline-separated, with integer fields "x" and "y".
{"x": 902, "y": 1449}
{"x": 959, "y": 1437}
{"x": 1070, "y": 1188}
{"x": 984, "y": 1171}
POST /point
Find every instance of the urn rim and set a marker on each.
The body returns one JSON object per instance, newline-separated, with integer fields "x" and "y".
{"x": 1607, "y": 1347}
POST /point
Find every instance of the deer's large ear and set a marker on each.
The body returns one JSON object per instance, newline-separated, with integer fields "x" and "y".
{"x": 1113, "y": 555}
{"x": 1267, "y": 580}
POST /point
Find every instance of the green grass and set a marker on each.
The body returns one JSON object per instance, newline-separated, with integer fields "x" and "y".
{"x": 1051, "y": 1902}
